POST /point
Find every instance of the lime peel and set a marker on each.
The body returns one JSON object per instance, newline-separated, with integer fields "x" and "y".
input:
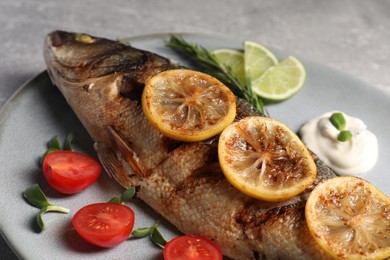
{"x": 233, "y": 61}
{"x": 259, "y": 68}
{"x": 258, "y": 59}
{"x": 281, "y": 81}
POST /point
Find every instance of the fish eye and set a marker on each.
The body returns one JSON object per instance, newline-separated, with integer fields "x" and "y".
{"x": 84, "y": 38}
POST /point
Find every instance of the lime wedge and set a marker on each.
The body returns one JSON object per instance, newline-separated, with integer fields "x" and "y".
{"x": 232, "y": 60}
{"x": 257, "y": 60}
{"x": 281, "y": 81}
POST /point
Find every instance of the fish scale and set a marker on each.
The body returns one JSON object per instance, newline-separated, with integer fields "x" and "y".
{"x": 181, "y": 181}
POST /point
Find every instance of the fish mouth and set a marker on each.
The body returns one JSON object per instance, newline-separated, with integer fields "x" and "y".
{"x": 71, "y": 49}
{"x": 59, "y": 38}
{"x": 64, "y": 56}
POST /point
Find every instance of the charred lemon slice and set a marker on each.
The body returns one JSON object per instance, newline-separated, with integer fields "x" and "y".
{"x": 187, "y": 105}
{"x": 350, "y": 218}
{"x": 264, "y": 159}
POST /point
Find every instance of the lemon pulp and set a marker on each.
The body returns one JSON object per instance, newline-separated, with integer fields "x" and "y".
{"x": 188, "y": 105}
{"x": 264, "y": 159}
{"x": 350, "y": 218}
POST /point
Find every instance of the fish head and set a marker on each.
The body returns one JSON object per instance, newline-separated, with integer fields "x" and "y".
{"x": 79, "y": 60}
{"x": 102, "y": 81}
{"x": 80, "y": 57}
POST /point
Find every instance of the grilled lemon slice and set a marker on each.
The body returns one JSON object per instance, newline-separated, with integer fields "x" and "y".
{"x": 188, "y": 105}
{"x": 350, "y": 218}
{"x": 264, "y": 159}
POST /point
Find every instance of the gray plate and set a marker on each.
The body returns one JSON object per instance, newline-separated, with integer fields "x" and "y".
{"x": 37, "y": 112}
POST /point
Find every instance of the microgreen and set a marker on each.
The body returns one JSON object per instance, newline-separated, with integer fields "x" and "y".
{"x": 54, "y": 145}
{"x": 152, "y": 232}
{"x": 157, "y": 238}
{"x": 338, "y": 121}
{"x": 126, "y": 196}
{"x": 35, "y": 196}
{"x": 116, "y": 200}
{"x": 68, "y": 142}
{"x": 344, "y": 136}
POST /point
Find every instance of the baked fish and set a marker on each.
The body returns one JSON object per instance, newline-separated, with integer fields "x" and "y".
{"x": 102, "y": 80}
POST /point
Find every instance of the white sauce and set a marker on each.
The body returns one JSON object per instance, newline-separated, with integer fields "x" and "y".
{"x": 353, "y": 157}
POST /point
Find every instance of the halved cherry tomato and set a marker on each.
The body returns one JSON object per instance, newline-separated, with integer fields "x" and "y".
{"x": 70, "y": 172}
{"x": 104, "y": 224}
{"x": 191, "y": 247}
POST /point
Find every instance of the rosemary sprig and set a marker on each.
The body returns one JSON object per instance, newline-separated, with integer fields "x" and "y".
{"x": 208, "y": 61}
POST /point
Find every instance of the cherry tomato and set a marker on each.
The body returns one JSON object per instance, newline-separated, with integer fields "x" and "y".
{"x": 104, "y": 224}
{"x": 191, "y": 247}
{"x": 70, "y": 172}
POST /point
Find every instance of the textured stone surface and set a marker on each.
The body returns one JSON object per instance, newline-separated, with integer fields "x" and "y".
{"x": 352, "y": 36}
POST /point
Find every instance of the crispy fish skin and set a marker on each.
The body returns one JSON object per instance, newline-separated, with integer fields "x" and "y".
{"x": 102, "y": 80}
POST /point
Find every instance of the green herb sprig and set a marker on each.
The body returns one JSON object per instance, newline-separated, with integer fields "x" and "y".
{"x": 125, "y": 196}
{"x": 208, "y": 61}
{"x": 54, "y": 145}
{"x": 35, "y": 196}
{"x": 338, "y": 121}
{"x": 152, "y": 232}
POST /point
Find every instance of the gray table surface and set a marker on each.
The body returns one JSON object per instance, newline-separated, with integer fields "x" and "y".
{"x": 352, "y": 36}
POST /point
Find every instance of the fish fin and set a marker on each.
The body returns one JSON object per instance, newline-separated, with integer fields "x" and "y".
{"x": 114, "y": 167}
{"x": 127, "y": 153}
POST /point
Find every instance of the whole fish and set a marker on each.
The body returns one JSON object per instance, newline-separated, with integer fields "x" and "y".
{"x": 102, "y": 80}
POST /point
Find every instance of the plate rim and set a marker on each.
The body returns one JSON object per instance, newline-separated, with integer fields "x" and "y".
{"x": 8, "y": 103}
